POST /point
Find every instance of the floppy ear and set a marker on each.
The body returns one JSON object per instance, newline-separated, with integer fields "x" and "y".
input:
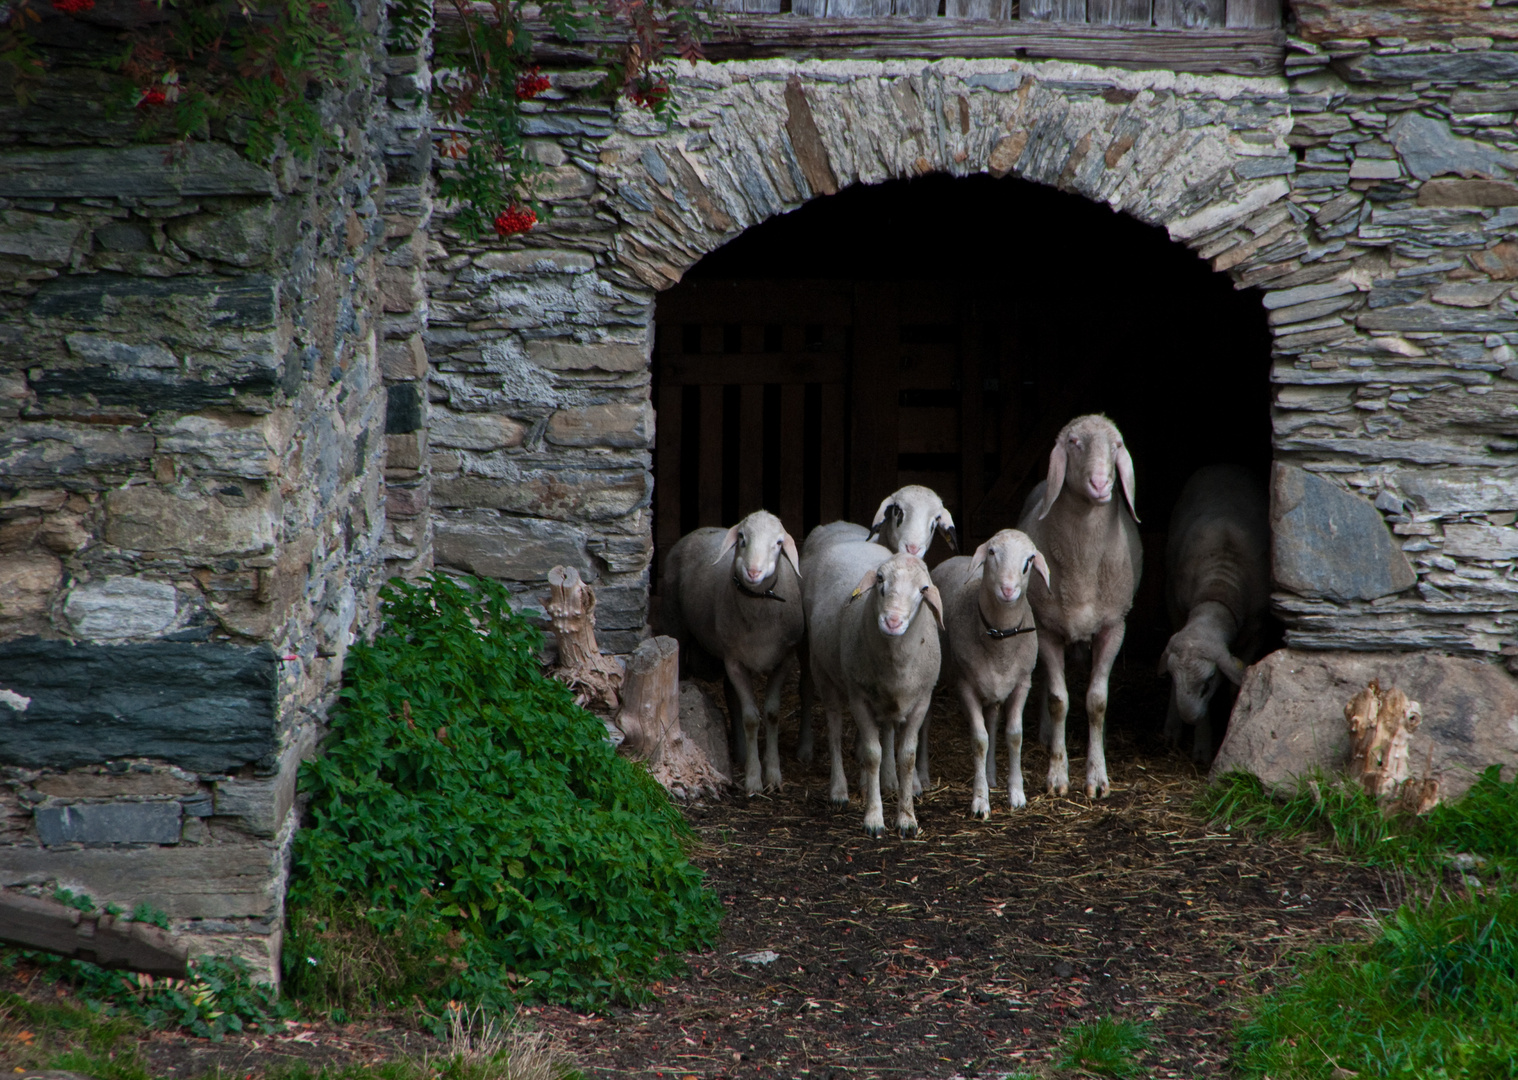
{"x": 1055, "y": 483}
{"x": 1125, "y": 474}
{"x": 950, "y": 533}
{"x": 728, "y": 542}
{"x": 880, "y": 516}
{"x": 788, "y": 545}
{"x": 866, "y": 583}
{"x": 977, "y": 561}
{"x": 1164, "y": 666}
{"x": 932, "y": 598}
{"x": 1232, "y": 668}
{"x": 1043, "y": 568}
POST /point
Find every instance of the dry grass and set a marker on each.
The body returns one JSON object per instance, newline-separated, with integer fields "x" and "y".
{"x": 502, "y": 1049}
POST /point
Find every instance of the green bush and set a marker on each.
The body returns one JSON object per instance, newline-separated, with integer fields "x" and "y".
{"x": 473, "y": 836}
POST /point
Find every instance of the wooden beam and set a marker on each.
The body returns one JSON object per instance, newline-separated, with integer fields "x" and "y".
{"x": 667, "y": 458}
{"x": 1190, "y": 14}
{"x": 1054, "y": 11}
{"x": 761, "y": 368}
{"x": 35, "y": 923}
{"x": 709, "y": 469}
{"x": 1255, "y": 14}
{"x": 754, "y": 37}
{"x": 877, "y": 371}
{"x": 1118, "y": 12}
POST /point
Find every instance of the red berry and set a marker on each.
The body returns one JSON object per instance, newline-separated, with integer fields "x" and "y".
{"x": 530, "y": 84}
{"x": 73, "y": 7}
{"x": 153, "y": 95}
{"x": 517, "y": 219}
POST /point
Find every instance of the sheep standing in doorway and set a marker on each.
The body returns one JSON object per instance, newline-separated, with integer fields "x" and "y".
{"x": 1217, "y": 563}
{"x": 1091, "y": 541}
{"x": 744, "y": 609}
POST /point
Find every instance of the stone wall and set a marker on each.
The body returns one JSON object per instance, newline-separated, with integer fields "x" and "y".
{"x": 192, "y": 450}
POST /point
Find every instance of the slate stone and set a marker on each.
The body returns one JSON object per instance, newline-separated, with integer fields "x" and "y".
{"x": 217, "y": 302}
{"x": 109, "y": 823}
{"x": 1430, "y": 317}
{"x": 1328, "y": 542}
{"x": 209, "y": 708}
{"x": 1485, "y": 65}
{"x": 139, "y": 171}
{"x": 152, "y": 390}
{"x": 511, "y": 548}
{"x": 121, "y": 607}
{"x": 405, "y": 408}
{"x": 1429, "y": 148}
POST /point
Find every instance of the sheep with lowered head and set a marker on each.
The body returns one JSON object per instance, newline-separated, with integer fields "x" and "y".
{"x": 992, "y": 648}
{"x": 1217, "y": 586}
{"x": 737, "y": 594}
{"x": 1091, "y": 540}
{"x": 873, "y": 625}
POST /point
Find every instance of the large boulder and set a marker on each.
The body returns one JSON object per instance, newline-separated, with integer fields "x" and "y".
{"x": 1332, "y": 543}
{"x": 1289, "y": 718}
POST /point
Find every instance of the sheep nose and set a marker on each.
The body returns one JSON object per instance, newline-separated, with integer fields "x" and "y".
{"x": 914, "y": 549}
{"x": 756, "y": 573}
{"x": 1009, "y": 592}
{"x": 893, "y": 621}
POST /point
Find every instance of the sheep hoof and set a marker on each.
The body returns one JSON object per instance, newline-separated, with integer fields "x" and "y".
{"x": 838, "y": 804}
{"x": 980, "y": 808}
{"x": 1018, "y": 800}
{"x": 907, "y": 829}
{"x": 874, "y": 830}
{"x": 1097, "y": 789}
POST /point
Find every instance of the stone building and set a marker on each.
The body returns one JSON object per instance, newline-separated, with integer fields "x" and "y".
{"x": 235, "y": 398}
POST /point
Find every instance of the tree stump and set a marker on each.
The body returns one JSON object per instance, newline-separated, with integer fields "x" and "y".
{"x": 593, "y": 676}
{"x": 1381, "y": 722}
{"x": 650, "y": 721}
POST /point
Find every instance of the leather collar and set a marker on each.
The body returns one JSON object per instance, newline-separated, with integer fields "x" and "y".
{"x": 768, "y": 594}
{"x": 992, "y": 632}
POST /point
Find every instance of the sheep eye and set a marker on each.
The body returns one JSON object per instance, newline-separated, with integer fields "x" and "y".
{"x": 1027, "y": 564}
{"x": 924, "y": 590}
{"x": 742, "y": 540}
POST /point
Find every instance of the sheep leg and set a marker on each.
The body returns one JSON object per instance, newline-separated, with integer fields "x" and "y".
{"x": 869, "y": 767}
{"x": 772, "y": 723}
{"x": 1012, "y": 713}
{"x": 980, "y": 777}
{"x": 743, "y": 687}
{"x": 1045, "y": 724}
{"x": 888, "y": 757}
{"x": 807, "y": 690}
{"x": 1104, "y": 649}
{"x": 838, "y": 788}
{"x": 1051, "y": 651}
{"x": 1173, "y": 722}
{"x": 906, "y": 761}
{"x": 736, "y": 740}
{"x": 920, "y": 781}
{"x": 1201, "y": 746}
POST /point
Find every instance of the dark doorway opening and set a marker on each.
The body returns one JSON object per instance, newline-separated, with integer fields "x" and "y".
{"x": 941, "y": 331}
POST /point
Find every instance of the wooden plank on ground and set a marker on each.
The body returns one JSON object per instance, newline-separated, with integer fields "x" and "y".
{"x": 760, "y": 368}
{"x": 750, "y": 449}
{"x": 667, "y": 442}
{"x": 1190, "y": 14}
{"x": 876, "y": 377}
{"x": 36, "y": 923}
{"x": 755, "y": 37}
{"x": 709, "y": 469}
{"x": 1254, "y": 14}
{"x": 792, "y": 455}
{"x": 834, "y": 433}
{"x": 1054, "y": 11}
{"x": 1118, "y": 12}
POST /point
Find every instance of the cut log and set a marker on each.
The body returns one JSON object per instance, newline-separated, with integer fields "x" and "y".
{"x": 582, "y": 667}
{"x": 1380, "y": 725}
{"x": 35, "y": 923}
{"x": 650, "y": 722}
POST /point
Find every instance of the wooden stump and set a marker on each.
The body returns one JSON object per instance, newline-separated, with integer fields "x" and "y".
{"x": 1381, "y": 723}
{"x": 582, "y": 667}
{"x": 650, "y": 721}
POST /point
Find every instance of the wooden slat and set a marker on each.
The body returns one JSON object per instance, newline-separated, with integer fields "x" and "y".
{"x": 915, "y": 9}
{"x": 755, "y": 37}
{"x": 1118, "y": 12}
{"x": 999, "y": 10}
{"x": 709, "y": 484}
{"x": 858, "y": 9}
{"x": 1190, "y": 14}
{"x": 1255, "y": 14}
{"x": 751, "y": 449}
{"x": 761, "y": 7}
{"x": 792, "y": 455}
{"x": 667, "y": 487}
{"x": 932, "y": 430}
{"x": 833, "y": 506}
{"x": 972, "y": 438}
{"x": 877, "y": 362}
{"x": 761, "y": 368}
{"x": 803, "y": 301}
{"x": 1054, "y": 11}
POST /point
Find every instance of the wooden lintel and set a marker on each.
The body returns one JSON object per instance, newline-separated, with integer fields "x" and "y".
{"x": 757, "y": 37}
{"x": 36, "y": 923}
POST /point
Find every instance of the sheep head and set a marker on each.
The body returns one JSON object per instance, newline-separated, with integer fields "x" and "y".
{"x": 1087, "y": 457}
{"x": 1005, "y": 563}
{"x": 757, "y": 542}
{"x": 1197, "y": 664}
{"x": 901, "y": 586}
{"x": 907, "y": 519}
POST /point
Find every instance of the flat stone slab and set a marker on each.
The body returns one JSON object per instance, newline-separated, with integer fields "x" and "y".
{"x": 1289, "y": 717}
{"x": 209, "y": 708}
{"x": 109, "y": 823}
{"x": 1328, "y": 542}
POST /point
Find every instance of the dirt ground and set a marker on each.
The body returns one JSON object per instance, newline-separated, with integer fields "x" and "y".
{"x": 965, "y": 952}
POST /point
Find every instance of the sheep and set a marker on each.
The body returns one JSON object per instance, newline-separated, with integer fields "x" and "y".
{"x": 1217, "y": 563}
{"x": 906, "y": 521}
{"x": 874, "y": 651}
{"x": 992, "y": 647}
{"x": 1095, "y": 559}
{"x": 746, "y": 610}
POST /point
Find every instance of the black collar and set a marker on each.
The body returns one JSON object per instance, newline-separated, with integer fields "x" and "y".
{"x": 767, "y": 594}
{"x": 992, "y": 632}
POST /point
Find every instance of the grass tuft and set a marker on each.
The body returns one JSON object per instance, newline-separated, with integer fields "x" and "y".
{"x": 1106, "y": 1047}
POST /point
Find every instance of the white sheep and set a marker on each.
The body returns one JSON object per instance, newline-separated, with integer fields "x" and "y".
{"x": 992, "y": 648}
{"x": 1217, "y": 562}
{"x": 745, "y": 610}
{"x": 1095, "y": 558}
{"x": 874, "y": 650}
{"x": 905, "y": 522}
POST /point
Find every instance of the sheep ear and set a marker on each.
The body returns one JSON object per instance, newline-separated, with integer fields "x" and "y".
{"x": 1125, "y": 474}
{"x": 1055, "y": 483}
{"x": 728, "y": 543}
{"x": 1164, "y": 665}
{"x": 1232, "y": 668}
{"x": 1043, "y": 568}
{"x": 977, "y": 560}
{"x": 950, "y": 533}
{"x": 880, "y": 516}
{"x": 935, "y": 601}
{"x": 866, "y": 583}
{"x": 788, "y": 545}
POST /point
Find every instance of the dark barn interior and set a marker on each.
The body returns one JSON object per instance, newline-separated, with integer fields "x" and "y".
{"x": 941, "y": 331}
